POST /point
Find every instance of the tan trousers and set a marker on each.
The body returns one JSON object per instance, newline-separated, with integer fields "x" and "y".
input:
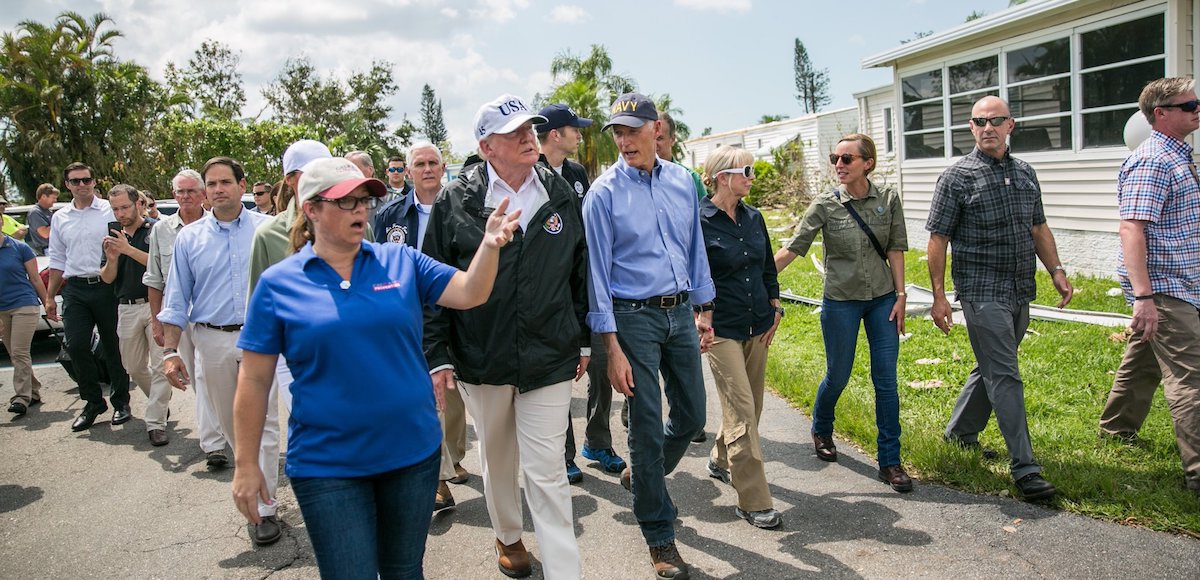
{"x": 219, "y": 358}
{"x": 1133, "y": 389}
{"x": 523, "y": 433}
{"x": 1176, "y": 349}
{"x": 739, "y": 369}
{"x": 142, "y": 359}
{"x": 16, "y": 329}
{"x": 454, "y": 432}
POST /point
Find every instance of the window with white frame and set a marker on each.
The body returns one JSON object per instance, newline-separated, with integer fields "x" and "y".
{"x": 889, "y": 131}
{"x": 1067, "y": 93}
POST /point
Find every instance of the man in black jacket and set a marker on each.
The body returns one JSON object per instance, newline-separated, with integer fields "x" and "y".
{"x": 560, "y": 139}
{"x": 516, "y": 355}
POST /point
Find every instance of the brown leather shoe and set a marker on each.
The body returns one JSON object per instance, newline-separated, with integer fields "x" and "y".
{"x": 826, "y": 450}
{"x": 895, "y": 476}
{"x": 668, "y": 563}
{"x": 158, "y": 437}
{"x": 460, "y": 475}
{"x": 442, "y": 499}
{"x": 513, "y": 560}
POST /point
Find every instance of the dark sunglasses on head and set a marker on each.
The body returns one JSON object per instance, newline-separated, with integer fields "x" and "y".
{"x": 81, "y": 181}
{"x": 745, "y": 171}
{"x": 1186, "y": 106}
{"x": 845, "y": 158}
{"x": 995, "y": 121}
{"x": 395, "y": 170}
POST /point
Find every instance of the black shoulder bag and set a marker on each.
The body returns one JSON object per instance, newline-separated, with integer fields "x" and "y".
{"x": 866, "y": 230}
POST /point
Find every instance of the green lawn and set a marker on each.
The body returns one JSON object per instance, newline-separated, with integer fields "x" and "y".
{"x": 1068, "y": 370}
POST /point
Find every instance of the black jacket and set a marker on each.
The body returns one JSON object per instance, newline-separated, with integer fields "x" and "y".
{"x": 575, "y": 174}
{"x": 531, "y": 328}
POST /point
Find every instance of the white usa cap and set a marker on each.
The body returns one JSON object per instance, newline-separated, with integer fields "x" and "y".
{"x": 502, "y": 116}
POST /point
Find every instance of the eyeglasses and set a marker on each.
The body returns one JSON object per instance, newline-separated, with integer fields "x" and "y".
{"x": 258, "y": 193}
{"x": 81, "y": 181}
{"x": 189, "y": 191}
{"x": 995, "y": 121}
{"x": 845, "y": 158}
{"x": 395, "y": 170}
{"x": 351, "y": 203}
{"x": 746, "y": 171}
{"x": 1186, "y": 106}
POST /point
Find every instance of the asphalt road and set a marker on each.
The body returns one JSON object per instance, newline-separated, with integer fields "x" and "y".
{"x": 105, "y": 504}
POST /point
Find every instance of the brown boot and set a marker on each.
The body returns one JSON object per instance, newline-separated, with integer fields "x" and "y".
{"x": 668, "y": 563}
{"x": 442, "y": 500}
{"x": 513, "y": 560}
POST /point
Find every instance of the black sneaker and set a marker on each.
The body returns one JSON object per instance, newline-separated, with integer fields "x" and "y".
{"x": 718, "y": 473}
{"x": 17, "y": 408}
{"x": 1034, "y": 488}
{"x": 987, "y": 452}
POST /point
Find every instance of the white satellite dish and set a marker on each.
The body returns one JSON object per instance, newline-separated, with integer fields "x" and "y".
{"x": 1137, "y": 130}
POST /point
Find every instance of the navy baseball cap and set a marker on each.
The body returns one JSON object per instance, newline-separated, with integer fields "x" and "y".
{"x": 560, "y": 115}
{"x": 631, "y": 110}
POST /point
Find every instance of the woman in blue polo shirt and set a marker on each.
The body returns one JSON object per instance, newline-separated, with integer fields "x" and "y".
{"x": 21, "y": 290}
{"x": 363, "y": 437}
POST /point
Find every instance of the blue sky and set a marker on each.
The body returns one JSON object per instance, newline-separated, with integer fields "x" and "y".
{"x": 724, "y": 62}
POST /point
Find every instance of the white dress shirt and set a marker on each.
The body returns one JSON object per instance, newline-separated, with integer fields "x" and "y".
{"x": 528, "y": 198}
{"x": 77, "y": 239}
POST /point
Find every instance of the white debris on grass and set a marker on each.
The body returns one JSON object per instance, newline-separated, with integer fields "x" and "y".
{"x": 929, "y": 361}
{"x": 929, "y": 384}
{"x": 1114, "y": 292}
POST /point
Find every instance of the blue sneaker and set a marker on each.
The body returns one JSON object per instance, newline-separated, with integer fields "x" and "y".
{"x": 608, "y": 460}
{"x": 574, "y": 475}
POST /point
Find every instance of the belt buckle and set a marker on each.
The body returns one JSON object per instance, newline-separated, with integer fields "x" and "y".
{"x": 668, "y": 301}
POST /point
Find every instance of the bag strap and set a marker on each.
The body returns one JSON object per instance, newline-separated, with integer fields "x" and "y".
{"x": 865, "y": 229}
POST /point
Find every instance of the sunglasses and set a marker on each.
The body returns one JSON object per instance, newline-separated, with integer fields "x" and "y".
{"x": 1186, "y": 106}
{"x": 258, "y": 193}
{"x": 350, "y": 203}
{"x": 81, "y": 181}
{"x": 395, "y": 170}
{"x": 845, "y": 158}
{"x": 745, "y": 170}
{"x": 995, "y": 121}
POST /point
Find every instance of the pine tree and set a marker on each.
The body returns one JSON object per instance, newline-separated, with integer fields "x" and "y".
{"x": 433, "y": 124}
{"x": 812, "y": 85}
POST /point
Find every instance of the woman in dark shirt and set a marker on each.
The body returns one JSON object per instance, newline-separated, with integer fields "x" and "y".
{"x": 746, "y": 313}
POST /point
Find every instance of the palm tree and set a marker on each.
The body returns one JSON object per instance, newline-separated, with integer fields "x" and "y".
{"x": 588, "y": 86}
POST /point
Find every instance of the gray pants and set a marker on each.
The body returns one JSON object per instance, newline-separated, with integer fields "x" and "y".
{"x": 995, "y": 330}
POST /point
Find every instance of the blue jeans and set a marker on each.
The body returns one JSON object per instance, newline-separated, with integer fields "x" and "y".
{"x": 369, "y": 527}
{"x": 654, "y": 338}
{"x": 839, "y": 327}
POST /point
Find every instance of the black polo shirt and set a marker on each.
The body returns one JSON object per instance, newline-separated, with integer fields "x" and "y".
{"x": 128, "y": 284}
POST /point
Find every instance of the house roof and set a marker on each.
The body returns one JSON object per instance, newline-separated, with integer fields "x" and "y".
{"x": 1010, "y": 16}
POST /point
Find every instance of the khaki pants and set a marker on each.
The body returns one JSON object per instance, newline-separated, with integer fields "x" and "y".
{"x": 143, "y": 360}
{"x": 739, "y": 369}
{"x": 523, "y": 433}
{"x": 454, "y": 433}
{"x": 1133, "y": 389}
{"x": 16, "y": 329}
{"x": 1176, "y": 346}
{"x": 219, "y": 358}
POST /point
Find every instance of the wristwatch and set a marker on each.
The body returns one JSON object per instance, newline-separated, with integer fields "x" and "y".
{"x": 706, "y": 307}
{"x": 780, "y": 311}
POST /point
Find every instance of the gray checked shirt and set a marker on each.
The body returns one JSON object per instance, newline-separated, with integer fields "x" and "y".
{"x": 988, "y": 208}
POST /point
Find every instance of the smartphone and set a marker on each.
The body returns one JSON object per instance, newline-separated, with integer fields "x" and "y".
{"x": 114, "y": 226}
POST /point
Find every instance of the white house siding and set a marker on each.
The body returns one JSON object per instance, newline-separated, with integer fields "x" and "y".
{"x": 1078, "y": 184}
{"x": 872, "y": 106}
{"x": 817, "y": 133}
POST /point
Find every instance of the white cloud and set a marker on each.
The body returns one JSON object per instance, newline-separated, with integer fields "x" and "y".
{"x": 449, "y": 12}
{"x": 568, "y": 14}
{"x": 716, "y": 5}
{"x": 497, "y": 11}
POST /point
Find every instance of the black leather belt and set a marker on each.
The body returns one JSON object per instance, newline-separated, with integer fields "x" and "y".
{"x": 226, "y": 328}
{"x": 86, "y": 279}
{"x": 132, "y": 300}
{"x": 660, "y": 301}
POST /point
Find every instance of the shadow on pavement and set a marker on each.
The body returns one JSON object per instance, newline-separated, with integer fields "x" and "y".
{"x": 15, "y": 497}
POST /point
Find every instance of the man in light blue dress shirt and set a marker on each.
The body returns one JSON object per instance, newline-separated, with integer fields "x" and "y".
{"x": 647, "y": 275}
{"x": 207, "y": 287}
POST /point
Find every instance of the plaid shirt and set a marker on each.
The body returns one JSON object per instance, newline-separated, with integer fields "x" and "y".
{"x": 988, "y": 208}
{"x": 1158, "y": 184}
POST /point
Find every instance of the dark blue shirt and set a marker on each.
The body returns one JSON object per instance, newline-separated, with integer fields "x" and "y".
{"x": 362, "y": 399}
{"x": 15, "y": 288}
{"x": 743, "y": 270}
